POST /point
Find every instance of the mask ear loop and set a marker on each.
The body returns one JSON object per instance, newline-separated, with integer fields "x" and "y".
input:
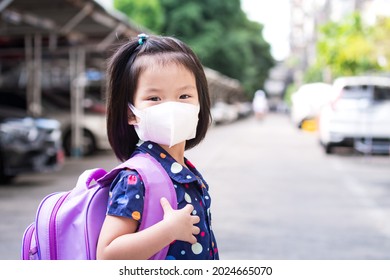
{"x": 133, "y": 109}
{"x": 132, "y": 120}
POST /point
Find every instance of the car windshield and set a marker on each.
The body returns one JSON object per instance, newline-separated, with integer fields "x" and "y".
{"x": 381, "y": 93}
{"x": 377, "y": 93}
{"x": 357, "y": 92}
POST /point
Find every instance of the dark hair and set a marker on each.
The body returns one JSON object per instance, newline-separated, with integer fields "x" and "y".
{"x": 123, "y": 74}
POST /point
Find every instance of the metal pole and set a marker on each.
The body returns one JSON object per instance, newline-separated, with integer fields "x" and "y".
{"x": 30, "y": 72}
{"x": 77, "y": 74}
{"x": 33, "y": 58}
{"x": 37, "y": 90}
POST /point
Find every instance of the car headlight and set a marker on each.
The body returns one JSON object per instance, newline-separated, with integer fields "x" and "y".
{"x": 52, "y": 128}
{"x": 19, "y": 131}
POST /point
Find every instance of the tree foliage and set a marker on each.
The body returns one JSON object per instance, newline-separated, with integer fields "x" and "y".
{"x": 146, "y": 12}
{"x": 349, "y": 47}
{"x": 381, "y": 39}
{"x": 218, "y": 31}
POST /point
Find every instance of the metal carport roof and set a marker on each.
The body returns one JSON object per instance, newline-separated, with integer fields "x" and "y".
{"x": 32, "y": 31}
{"x": 84, "y": 22}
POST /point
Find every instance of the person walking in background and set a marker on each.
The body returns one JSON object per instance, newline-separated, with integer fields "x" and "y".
{"x": 260, "y": 104}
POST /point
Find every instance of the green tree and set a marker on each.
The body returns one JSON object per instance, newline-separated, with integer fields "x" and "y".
{"x": 223, "y": 37}
{"x": 347, "y": 47}
{"x": 218, "y": 31}
{"x": 148, "y": 13}
{"x": 381, "y": 39}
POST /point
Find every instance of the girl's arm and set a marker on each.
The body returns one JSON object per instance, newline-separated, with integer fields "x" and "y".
{"x": 119, "y": 240}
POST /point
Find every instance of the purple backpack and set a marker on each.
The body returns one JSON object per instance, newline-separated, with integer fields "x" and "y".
{"x": 68, "y": 224}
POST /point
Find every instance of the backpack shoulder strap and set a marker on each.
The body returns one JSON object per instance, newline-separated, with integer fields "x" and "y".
{"x": 157, "y": 185}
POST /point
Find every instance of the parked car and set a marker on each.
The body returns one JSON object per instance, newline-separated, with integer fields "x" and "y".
{"x": 358, "y": 116}
{"x": 222, "y": 112}
{"x": 28, "y": 144}
{"x": 244, "y": 109}
{"x": 307, "y": 101}
{"x": 58, "y": 107}
{"x": 93, "y": 122}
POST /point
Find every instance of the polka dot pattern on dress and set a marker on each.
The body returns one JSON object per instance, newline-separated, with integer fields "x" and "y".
{"x": 176, "y": 168}
{"x": 187, "y": 197}
{"x": 136, "y": 215}
{"x": 132, "y": 180}
{"x": 190, "y": 188}
{"x": 197, "y": 248}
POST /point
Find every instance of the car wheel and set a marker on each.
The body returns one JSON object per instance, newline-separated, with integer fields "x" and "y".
{"x": 328, "y": 149}
{"x": 89, "y": 143}
{"x": 4, "y": 179}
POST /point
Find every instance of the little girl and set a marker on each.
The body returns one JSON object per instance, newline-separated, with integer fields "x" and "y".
{"x": 158, "y": 103}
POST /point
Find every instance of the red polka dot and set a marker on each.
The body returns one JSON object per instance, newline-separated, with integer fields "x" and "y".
{"x": 132, "y": 180}
{"x": 189, "y": 164}
{"x": 186, "y": 186}
{"x": 202, "y": 234}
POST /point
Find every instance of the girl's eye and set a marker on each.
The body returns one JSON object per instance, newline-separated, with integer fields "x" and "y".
{"x": 184, "y": 96}
{"x": 154, "y": 98}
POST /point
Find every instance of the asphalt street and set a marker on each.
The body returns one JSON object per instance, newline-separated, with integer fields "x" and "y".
{"x": 275, "y": 195}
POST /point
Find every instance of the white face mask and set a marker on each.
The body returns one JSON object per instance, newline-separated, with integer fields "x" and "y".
{"x": 168, "y": 123}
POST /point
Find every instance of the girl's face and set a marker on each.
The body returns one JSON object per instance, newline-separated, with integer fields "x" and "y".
{"x": 163, "y": 83}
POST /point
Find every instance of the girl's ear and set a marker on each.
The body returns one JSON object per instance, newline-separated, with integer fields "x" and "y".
{"x": 131, "y": 118}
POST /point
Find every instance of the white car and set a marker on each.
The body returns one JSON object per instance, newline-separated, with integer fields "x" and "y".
{"x": 358, "y": 116}
{"x": 222, "y": 113}
{"x": 308, "y": 101}
{"x": 93, "y": 124}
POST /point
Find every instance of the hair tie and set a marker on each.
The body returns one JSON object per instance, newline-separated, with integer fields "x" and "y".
{"x": 142, "y": 38}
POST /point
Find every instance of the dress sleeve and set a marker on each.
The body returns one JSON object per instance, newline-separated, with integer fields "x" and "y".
{"x": 126, "y": 198}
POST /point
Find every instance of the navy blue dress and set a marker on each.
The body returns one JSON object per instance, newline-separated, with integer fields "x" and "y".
{"x": 127, "y": 200}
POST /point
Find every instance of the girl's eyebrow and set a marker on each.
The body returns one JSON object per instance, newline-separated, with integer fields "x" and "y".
{"x": 152, "y": 89}
{"x": 182, "y": 88}
{"x": 186, "y": 87}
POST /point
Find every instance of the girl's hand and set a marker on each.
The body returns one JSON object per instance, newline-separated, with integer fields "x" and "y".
{"x": 180, "y": 222}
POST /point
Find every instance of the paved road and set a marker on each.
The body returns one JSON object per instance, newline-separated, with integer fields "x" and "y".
{"x": 276, "y": 195}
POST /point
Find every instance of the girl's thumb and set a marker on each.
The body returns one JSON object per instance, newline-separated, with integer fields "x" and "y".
{"x": 165, "y": 205}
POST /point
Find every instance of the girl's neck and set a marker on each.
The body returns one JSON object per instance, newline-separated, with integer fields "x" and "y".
{"x": 177, "y": 152}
